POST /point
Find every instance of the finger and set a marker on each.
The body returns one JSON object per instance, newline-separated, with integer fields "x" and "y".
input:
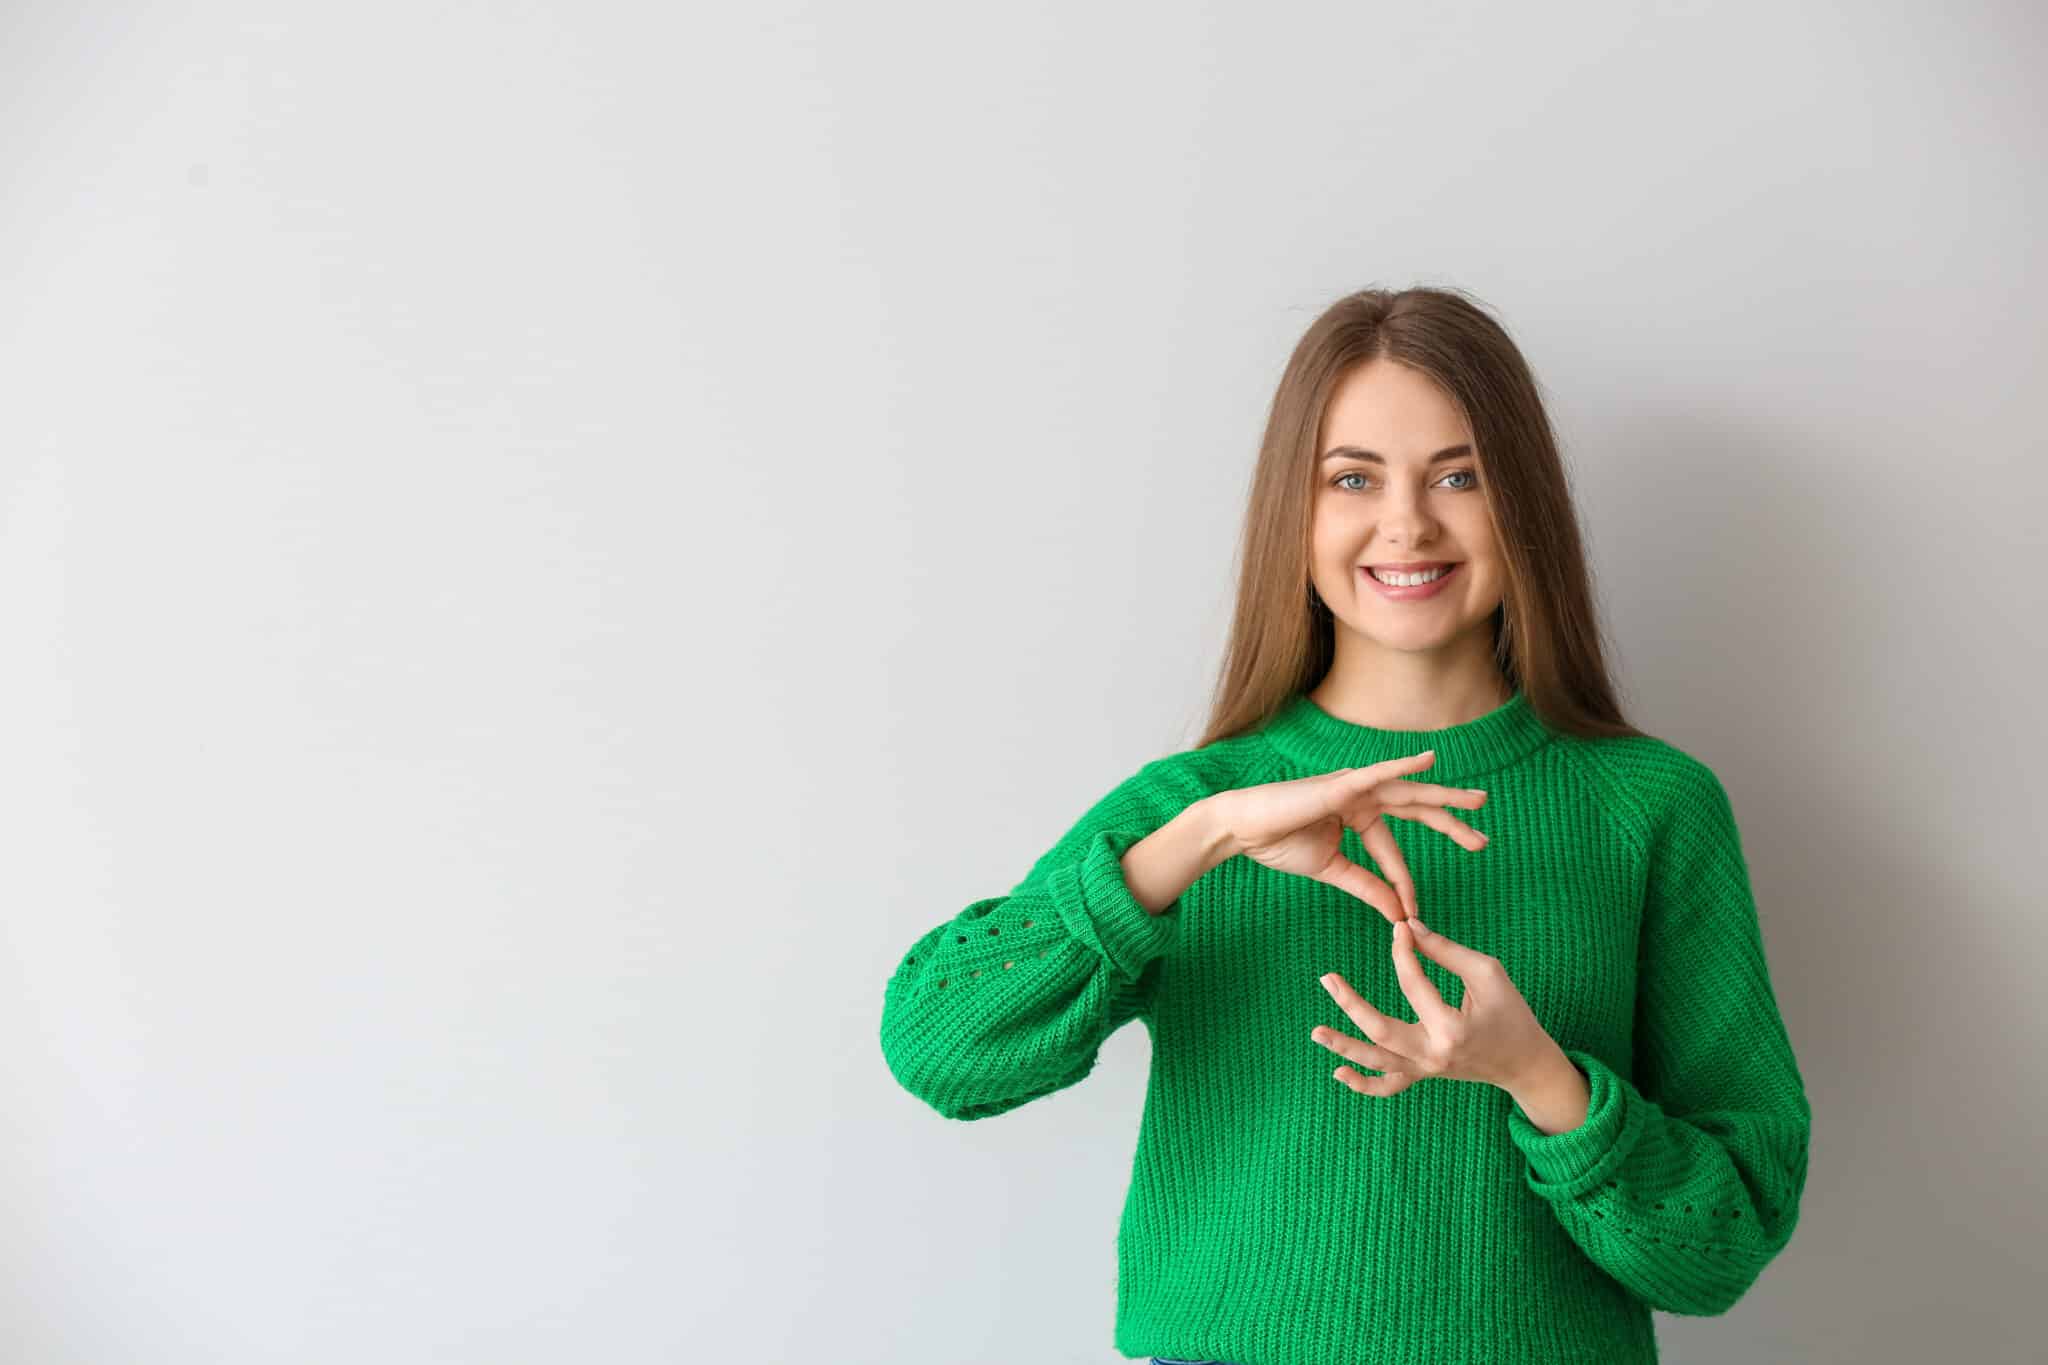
{"x": 1379, "y": 1087}
{"x": 1415, "y": 983}
{"x": 1364, "y": 779}
{"x": 1379, "y": 841}
{"x": 1394, "y": 1082}
{"x": 1399, "y": 791}
{"x": 1359, "y": 1050}
{"x": 1467, "y": 964}
{"x": 1444, "y": 823}
{"x": 1346, "y": 875}
{"x": 1397, "y": 1035}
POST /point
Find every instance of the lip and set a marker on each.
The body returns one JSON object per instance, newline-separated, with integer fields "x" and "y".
{"x": 1420, "y": 590}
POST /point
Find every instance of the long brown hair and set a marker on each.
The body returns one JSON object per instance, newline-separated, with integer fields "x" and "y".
{"x": 1546, "y": 633}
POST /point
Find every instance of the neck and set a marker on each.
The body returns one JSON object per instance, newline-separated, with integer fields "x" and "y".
{"x": 1393, "y": 689}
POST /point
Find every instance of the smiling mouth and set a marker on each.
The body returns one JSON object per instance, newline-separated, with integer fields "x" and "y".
{"x": 1437, "y": 573}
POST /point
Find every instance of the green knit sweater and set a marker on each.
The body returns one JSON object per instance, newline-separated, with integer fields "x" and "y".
{"x": 1277, "y": 1217}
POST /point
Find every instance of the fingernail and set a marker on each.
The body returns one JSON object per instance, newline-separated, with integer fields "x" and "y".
{"x": 1419, "y": 927}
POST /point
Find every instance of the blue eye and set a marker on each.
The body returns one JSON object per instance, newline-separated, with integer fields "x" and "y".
{"x": 1471, "y": 478}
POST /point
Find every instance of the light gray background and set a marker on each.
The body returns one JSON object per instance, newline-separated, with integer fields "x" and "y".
{"x": 544, "y": 544}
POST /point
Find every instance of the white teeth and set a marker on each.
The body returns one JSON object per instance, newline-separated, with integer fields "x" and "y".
{"x": 1408, "y": 580}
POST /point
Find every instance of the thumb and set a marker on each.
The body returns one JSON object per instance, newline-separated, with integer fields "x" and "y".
{"x": 1445, "y": 952}
{"x": 1346, "y": 875}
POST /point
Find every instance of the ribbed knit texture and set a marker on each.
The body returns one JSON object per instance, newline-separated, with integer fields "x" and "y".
{"x": 1277, "y": 1217}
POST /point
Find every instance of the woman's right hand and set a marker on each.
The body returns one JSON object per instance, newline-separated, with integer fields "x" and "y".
{"x": 1298, "y": 826}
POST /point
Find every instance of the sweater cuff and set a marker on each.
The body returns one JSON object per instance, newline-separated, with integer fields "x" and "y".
{"x": 1098, "y": 908}
{"x": 1565, "y": 1165}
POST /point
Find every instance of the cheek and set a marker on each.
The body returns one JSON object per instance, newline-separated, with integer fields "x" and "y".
{"x": 1489, "y": 582}
{"x": 1333, "y": 539}
{"x": 1484, "y": 553}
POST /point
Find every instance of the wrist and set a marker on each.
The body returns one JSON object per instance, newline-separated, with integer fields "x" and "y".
{"x": 1165, "y": 863}
{"x": 1552, "y": 1091}
{"x": 1219, "y": 843}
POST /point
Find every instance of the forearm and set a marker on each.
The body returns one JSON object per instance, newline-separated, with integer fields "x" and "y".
{"x": 1684, "y": 1211}
{"x": 1553, "y": 1093}
{"x": 1166, "y": 862}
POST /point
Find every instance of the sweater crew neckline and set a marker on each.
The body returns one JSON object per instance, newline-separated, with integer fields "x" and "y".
{"x": 1307, "y": 735}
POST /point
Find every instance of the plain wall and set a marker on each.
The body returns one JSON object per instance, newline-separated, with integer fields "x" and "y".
{"x": 542, "y": 545}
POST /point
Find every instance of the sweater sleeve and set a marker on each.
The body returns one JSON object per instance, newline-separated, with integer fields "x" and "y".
{"x": 1684, "y": 1180}
{"x": 1012, "y": 997}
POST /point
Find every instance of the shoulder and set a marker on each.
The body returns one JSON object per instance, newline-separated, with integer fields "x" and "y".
{"x": 1655, "y": 787}
{"x": 1191, "y": 774}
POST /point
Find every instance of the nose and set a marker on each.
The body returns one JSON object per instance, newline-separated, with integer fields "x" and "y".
{"x": 1405, "y": 522}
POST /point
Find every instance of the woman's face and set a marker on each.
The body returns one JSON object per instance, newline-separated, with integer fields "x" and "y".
{"x": 1399, "y": 482}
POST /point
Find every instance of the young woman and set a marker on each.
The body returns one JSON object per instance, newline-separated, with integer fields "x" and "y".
{"x": 1595, "y": 1110}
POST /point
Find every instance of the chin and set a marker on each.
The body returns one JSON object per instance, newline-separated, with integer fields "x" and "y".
{"x": 1412, "y": 639}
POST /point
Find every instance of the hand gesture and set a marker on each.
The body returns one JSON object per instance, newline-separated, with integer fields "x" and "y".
{"x": 1492, "y": 1036}
{"x": 1299, "y": 826}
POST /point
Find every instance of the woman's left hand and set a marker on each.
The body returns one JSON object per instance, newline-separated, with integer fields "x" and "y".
{"x": 1492, "y": 1036}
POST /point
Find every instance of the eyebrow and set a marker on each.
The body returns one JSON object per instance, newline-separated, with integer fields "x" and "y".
{"x": 1449, "y": 453}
